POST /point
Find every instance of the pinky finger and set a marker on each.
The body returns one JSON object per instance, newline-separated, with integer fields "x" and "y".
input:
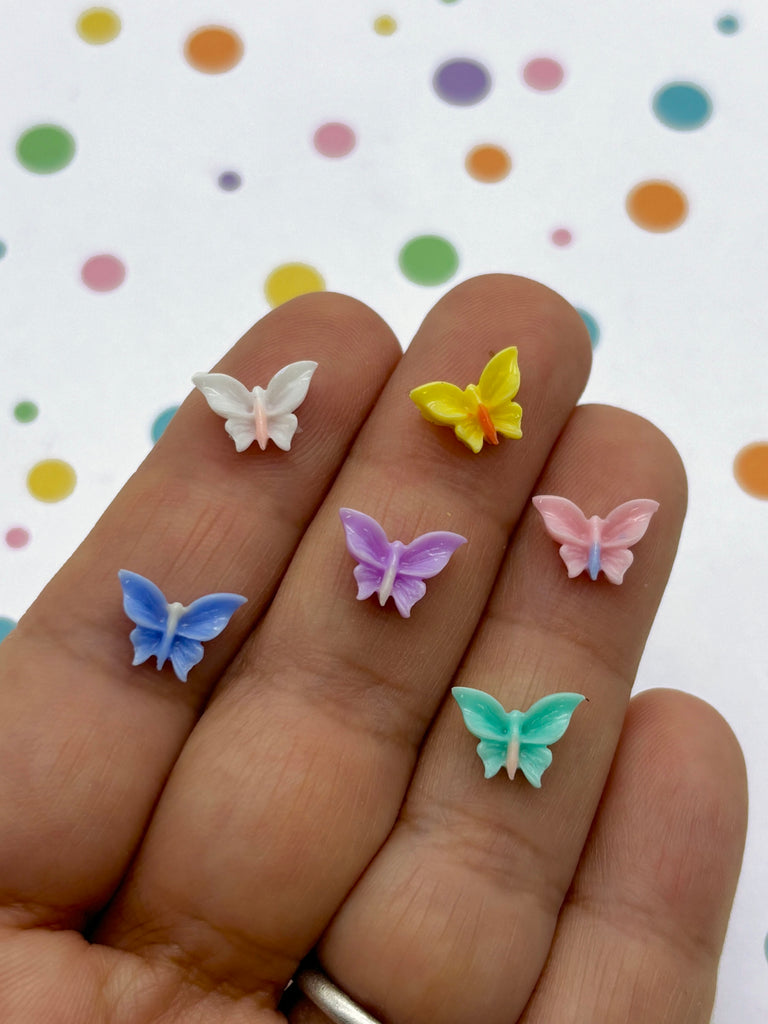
{"x": 641, "y": 931}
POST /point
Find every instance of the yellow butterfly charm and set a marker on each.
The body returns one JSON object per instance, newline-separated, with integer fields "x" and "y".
{"x": 482, "y": 411}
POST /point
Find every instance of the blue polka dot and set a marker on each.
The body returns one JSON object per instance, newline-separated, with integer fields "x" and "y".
{"x": 6, "y": 625}
{"x": 162, "y": 421}
{"x": 728, "y": 24}
{"x": 591, "y": 324}
{"x": 682, "y": 106}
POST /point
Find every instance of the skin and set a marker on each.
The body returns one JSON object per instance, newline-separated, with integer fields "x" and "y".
{"x": 172, "y": 851}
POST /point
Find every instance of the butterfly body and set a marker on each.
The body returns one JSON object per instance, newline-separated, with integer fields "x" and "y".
{"x": 261, "y": 414}
{"x": 480, "y": 412}
{"x": 391, "y": 568}
{"x": 515, "y": 739}
{"x": 171, "y": 631}
{"x": 595, "y": 544}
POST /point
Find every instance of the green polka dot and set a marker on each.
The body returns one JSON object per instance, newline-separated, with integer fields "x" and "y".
{"x": 6, "y": 625}
{"x": 428, "y": 259}
{"x": 25, "y": 412}
{"x": 45, "y": 148}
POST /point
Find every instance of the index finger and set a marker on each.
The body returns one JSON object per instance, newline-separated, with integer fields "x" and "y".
{"x": 82, "y": 732}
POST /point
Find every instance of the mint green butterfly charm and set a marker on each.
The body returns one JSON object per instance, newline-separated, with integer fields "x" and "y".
{"x": 516, "y": 739}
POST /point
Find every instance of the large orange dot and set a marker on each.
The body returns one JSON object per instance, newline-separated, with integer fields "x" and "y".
{"x": 657, "y": 205}
{"x": 488, "y": 163}
{"x": 750, "y": 467}
{"x": 213, "y": 49}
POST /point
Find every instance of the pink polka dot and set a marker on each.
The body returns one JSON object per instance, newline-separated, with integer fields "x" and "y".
{"x": 334, "y": 139}
{"x": 543, "y": 74}
{"x": 17, "y": 537}
{"x": 103, "y": 273}
{"x": 561, "y": 237}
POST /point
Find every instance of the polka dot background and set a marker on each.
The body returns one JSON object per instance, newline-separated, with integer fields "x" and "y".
{"x": 391, "y": 152}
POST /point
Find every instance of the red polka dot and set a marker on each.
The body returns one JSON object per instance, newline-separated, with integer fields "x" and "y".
{"x": 543, "y": 74}
{"x": 103, "y": 273}
{"x": 17, "y": 537}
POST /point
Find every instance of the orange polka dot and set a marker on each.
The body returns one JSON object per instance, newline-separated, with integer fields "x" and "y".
{"x": 750, "y": 467}
{"x": 657, "y": 205}
{"x": 488, "y": 163}
{"x": 213, "y": 49}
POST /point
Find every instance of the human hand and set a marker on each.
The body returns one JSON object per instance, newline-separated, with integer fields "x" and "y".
{"x": 172, "y": 851}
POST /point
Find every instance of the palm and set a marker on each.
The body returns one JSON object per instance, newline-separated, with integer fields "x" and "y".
{"x": 329, "y": 795}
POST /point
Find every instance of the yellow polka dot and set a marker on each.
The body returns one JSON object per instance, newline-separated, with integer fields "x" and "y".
{"x": 750, "y": 467}
{"x": 385, "y": 25}
{"x": 291, "y": 279}
{"x": 98, "y": 25}
{"x": 51, "y": 480}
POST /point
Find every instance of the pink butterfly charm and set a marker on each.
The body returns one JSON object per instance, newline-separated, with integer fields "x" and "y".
{"x": 594, "y": 544}
{"x": 391, "y": 568}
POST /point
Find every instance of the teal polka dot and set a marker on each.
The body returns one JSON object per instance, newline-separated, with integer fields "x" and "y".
{"x": 728, "y": 24}
{"x": 683, "y": 106}
{"x": 162, "y": 421}
{"x": 3, "y": 248}
{"x": 6, "y": 625}
{"x": 591, "y": 324}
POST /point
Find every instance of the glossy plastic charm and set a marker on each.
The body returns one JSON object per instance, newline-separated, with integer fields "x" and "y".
{"x": 482, "y": 411}
{"x": 594, "y": 544}
{"x": 263, "y": 413}
{"x": 391, "y": 568}
{"x": 170, "y": 629}
{"x": 516, "y": 739}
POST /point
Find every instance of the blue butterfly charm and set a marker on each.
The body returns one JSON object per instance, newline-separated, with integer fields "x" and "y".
{"x": 516, "y": 739}
{"x": 172, "y": 630}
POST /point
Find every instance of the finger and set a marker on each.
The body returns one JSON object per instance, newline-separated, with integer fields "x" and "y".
{"x": 294, "y": 775}
{"x": 475, "y": 870}
{"x": 640, "y": 934}
{"x": 87, "y": 740}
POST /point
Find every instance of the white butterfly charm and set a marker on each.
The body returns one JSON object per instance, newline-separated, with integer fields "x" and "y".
{"x": 263, "y": 413}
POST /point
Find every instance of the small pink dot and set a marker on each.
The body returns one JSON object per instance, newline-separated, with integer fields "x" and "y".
{"x": 543, "y": 74}
{"x": 334, "y": 139}
{"x": 17, "y": 537}
{"x": 561, "y": 237}
{"x": 103, "y": 273}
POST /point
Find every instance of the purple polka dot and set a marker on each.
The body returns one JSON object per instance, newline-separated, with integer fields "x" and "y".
{"x": 230, "y": 181}
{"x": 543, "y": 74}
{"x": 462, "y": 82}
{"x": 334, "y": 139}
{"x": 17, "y": 537}
{"x": 561, "y": 237}
{"x": 103, "y": 273}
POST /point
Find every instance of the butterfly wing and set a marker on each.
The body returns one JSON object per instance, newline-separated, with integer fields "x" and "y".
{"x": 543, "y": 723}
{"x": 185, "y": 654}
{"x": 566, "y": 523}
{"x": 288, "y": 388}
{"x": 546, "y": 720}
{"x": 366, "y": 541}
{"x": 533, "y": 762}
{"x": 229, "y": 398}
{"x": 486, "y": 719}
{"x": 619, "y": 531}
{"x": 420, "y": 560}
{"x": 206, "y": 617}
{"x": 442, "y": 403}
{"x": 498, "y": 385}
{"x": 145, "y": 605}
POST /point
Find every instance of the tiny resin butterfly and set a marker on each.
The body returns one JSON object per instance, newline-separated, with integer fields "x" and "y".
{"x": 594, "y": 544}
{"x": 516, "y": 739}
{"x": 172, "y": 630}
{"x": 482, "y": 411}
{"x": 391, "y": 568}
{"x": 263, "y": 413}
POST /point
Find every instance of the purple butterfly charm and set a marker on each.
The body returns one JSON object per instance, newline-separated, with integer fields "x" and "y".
{"x": 595, "y": 544}
{"x": 391, "y": 568}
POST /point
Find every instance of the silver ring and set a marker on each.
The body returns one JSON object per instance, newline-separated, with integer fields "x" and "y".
{"x": 334, "y": 1003}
